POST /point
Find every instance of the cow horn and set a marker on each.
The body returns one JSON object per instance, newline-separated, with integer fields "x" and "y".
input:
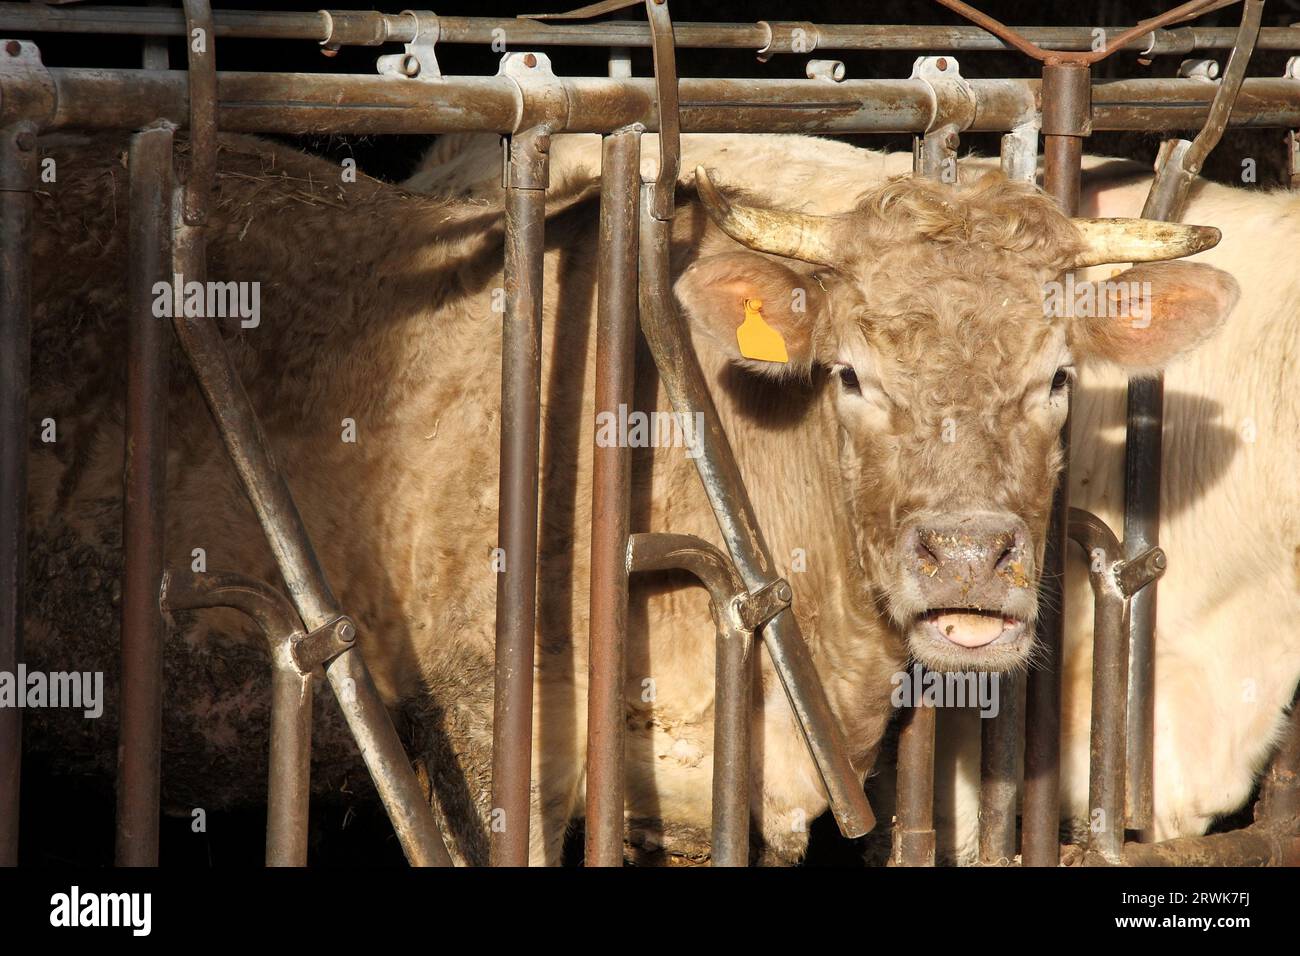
{"x": 1140, "y": 240}
{"x": 794, "y": 235}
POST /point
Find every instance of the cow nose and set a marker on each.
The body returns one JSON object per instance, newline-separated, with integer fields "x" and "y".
{"x": 967, "y": 561}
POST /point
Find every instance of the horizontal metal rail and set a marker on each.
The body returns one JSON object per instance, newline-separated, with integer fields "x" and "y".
{"x": 370, "y": 28}
{"x": 298, "y": 103}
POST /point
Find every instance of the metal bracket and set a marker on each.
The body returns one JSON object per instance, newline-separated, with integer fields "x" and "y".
{"x": 1136, "y": 573}
{"x": 952, "y": 101}
{"x": 324, "y": 644}
{"x": 26, "y": 87}
{"x": 830, "y": 70}
{"x": 757, "y": 608}
{"x": 420, "y": 60}
{"x": 538, "y": 94}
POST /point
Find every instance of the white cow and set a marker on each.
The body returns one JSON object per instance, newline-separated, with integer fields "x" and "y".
{"x": 1227, "y": 650}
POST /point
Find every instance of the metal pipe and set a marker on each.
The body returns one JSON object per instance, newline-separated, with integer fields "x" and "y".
{"x": 300, "y": 103}
{"x": 310, "y": 592}
{"x": 289, "y": 772}
{"x": 611, "y": 483}
{"x": 999, "y": 778}
{"x": 689, "y": 393}
{"x": 521, "y": 361}
{"x": 1279, "y": 799}
{"x": 1106, "y": 786}
{"x": 913, "y": 837}
{"x": 1142, "y": 450}
{"x": 18, "y": 160}
{"x": 366, "y": 28}
{"x": 1067, "y": 118}
{"x": 144, "y": 502}
{"x": 733, "y": 680}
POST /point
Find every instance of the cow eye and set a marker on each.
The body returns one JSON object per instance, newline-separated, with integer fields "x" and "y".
{"x": 1061, "y": 378}
{"x": 849, "y": 379}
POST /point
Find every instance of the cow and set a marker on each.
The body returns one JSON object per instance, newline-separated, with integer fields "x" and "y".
{"x": 1226, "y": 671}
{"x": 901, "y": 459}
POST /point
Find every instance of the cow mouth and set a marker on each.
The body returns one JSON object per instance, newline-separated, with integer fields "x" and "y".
{"x": 968, "y": 627}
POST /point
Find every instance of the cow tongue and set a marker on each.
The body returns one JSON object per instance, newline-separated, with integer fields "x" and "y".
{"x": 969, "y": 630}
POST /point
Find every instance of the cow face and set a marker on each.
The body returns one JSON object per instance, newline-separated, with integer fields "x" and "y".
{"x": 937, "y": 321}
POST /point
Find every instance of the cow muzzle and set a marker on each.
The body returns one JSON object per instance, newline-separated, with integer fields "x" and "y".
{"x": 968, "y": 590}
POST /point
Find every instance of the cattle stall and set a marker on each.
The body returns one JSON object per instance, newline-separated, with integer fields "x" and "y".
{"x": 307, "y": 628}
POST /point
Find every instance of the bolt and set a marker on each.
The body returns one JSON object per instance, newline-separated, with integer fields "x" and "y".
{"x": 951, "y": 141}
{"x": 530, "y": 61}
{"x": 26, "y": 141}
{"x": 941, "y": 64}
{"x": 13, "y": 48}
{"x": 346, "y": 632}
{"x": 1159, "y": 560}
{"x": 782, "y": 592}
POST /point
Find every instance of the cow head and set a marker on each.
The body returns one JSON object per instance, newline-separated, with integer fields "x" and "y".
{"x": 937, "y": 320}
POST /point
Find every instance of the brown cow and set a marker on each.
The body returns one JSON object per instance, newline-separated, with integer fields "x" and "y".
{"x": 901, "y": 461}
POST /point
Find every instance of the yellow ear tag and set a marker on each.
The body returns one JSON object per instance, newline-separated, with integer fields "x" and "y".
{"x": 757, "y": 339}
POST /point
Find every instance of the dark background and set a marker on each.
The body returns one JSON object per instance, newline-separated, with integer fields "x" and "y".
{"x": 71, "y": 820}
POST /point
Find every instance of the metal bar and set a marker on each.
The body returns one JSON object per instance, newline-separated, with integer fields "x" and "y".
{"x": 1142, "y": 456}
{"x": 144, "y": 503}
{"x": 913, "y": 837}
{"x": 689, "y": 393}
{"x": 302, "y": 103}
{"x": 611, "y": 482}
{"x": 1109, "y": 685}
{"x": 1067, "y": 118}
{"x": 733, "y": 676}
{"x": 521, "y": 359}
{"x": 289, "y": 775}
{"x": 367, "y": 28}
{"x": 1280, "y": 794}
{"x": 18, "y": 159}
{"x": 202, "y": 75}
{"x": 999, "y": 776}
{"x": 361, "y": 704}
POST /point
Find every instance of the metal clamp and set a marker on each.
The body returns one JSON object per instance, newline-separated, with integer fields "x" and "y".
{"x": 538, "y": 94}
{"x": 829, "y": 70}
{"x": 324, "y": 644}
{"x": 1199, "y": 69}
{"x": 420, "y": 60}
{"x": 757, "y": 608}
{"x": 26, "y": 87}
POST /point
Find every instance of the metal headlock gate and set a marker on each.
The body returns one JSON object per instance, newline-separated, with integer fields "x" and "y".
{"x": 307, "y": 630}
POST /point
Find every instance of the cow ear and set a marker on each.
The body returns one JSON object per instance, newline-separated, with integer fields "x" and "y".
{"x": 778, "y": 323}
{"x": 1149, "y": 315}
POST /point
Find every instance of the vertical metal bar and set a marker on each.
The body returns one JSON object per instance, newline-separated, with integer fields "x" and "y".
{"x": 611, "y": 480}
{"x": 913, "y": 838}
{"x": 521, "y": 359}
{"x": 1109, "y": 686}
{"x": 999, "y": 781}
{"x": 144, "y": 502}
{"x": 684, "y": 381}
{"x": 310, "y": 592}
{"x": 18, "y": 160}
{"x": 733, "y": 682}
{"x": 1066, "y": 118}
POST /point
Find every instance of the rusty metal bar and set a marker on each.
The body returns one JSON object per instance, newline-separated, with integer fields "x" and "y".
{"x": 611, "y": 484}
{"x": 999, "y": 777}
{"x": 1109, "y": 686}
{"x": 18, "y": 160}
{"x": 733, "y": 675}
{"x": 1280, "y": 794}
{"x": 289, "y": 774}
{"x": 296, "y": 559}
{"x": 307, "y": 103}
{"x": 913, "y": 837}
{"x": 366, "y": 28}
{"x": 1067, "y": 118}
{"x": 521, "y": 361}
{"x": 145, "y": 453}
{"x": 689, "y": 393}
{"x": 1145, "y": 414}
